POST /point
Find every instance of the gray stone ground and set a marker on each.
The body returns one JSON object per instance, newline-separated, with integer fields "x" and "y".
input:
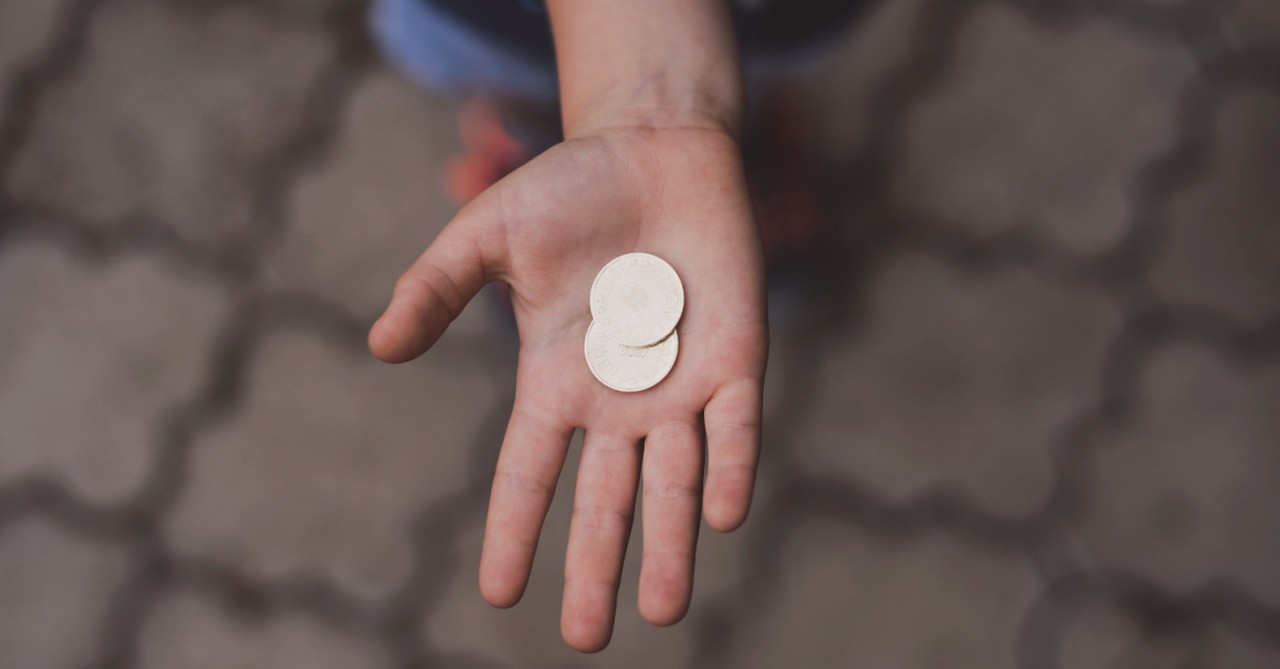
{"x": 1034, "y": 421}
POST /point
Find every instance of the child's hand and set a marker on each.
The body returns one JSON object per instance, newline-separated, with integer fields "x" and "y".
{"x": 651, "y": 99}
{"x": 547, "y": 229}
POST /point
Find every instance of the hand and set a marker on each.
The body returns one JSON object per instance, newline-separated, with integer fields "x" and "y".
{"x": 547, "y": 229}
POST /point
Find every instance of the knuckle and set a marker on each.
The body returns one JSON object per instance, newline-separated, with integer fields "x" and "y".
{"x": 668, "y": 560}
{"x": 674, "y": 491}
{"x": 604, "y": 582}
{"x": 741, "y": 426}
{"x": 738, "y": 472}
{"x": 525, "y": 484}
{"x": 602, "y": 519}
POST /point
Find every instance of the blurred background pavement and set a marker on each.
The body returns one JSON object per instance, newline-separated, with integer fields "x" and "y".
{"x": 1033, "y": 422}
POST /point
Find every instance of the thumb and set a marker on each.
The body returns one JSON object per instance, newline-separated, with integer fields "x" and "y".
{"x": 434, "y": 290}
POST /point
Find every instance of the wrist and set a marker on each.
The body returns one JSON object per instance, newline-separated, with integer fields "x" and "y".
{"x": 658, "y": 63}
{"x": 658, "y": 102}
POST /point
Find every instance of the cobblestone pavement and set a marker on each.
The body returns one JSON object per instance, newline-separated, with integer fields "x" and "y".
{"x": 1034, "y": 423}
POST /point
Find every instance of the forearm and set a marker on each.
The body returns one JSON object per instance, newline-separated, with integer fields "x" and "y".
{"x": 657, "y": 63}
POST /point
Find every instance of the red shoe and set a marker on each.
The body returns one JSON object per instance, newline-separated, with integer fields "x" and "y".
{"x": 489, "y": 152}
{"x": 787, "y": 187}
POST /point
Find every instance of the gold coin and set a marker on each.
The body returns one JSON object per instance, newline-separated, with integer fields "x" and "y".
{"x": 637, "y": 299}
{"x": 629, "y": 369}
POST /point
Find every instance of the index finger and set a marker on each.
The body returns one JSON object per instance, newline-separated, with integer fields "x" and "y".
{"x": 524, "y": 484}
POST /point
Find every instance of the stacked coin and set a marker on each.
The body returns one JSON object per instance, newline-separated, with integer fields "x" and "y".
{"x": 636, "y": 301}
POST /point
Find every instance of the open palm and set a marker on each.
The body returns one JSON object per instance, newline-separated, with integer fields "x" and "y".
{"x": 547, "y": 229}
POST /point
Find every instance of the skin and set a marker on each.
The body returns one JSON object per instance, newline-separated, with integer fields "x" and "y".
{"x": 651, "y": 163}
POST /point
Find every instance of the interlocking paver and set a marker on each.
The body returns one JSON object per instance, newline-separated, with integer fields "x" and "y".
{"x": 1236, "y": 653}
{"x": 169, "y": 116}
{"x": 1100, "y": 637}
{"x": 939, "y": 389}
{"x": 360, "y": 219}
{"x": 328, "y": 460}
{"x": 186, "y": 632}
{"x": 1254, "y": 23}
{"x": 842, "y": 87}
{"x": 789, "y": 379}
{"x": 25, "y": 29}
{"x": 1042, "y": 128}
{"x": 54, "y": 592}
{"x": 529, "y": 634}
{"x": 846, "y": 599}
{"x": 1223, "y": 249}
{"x": 1180, "y": 493}
{"x": 137, "y": 336}
{"x": 262, "y": 125}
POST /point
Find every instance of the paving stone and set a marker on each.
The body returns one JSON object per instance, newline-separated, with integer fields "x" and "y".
{"x": 26, "y": 27}
{"x": 54, "y": 592}
{"x": 1223, "y": 249}
{"x": 529, "y": 634}
{"x": 841, "y": 90}
{"x": 189, "y": 633}
{"x": 959, "y": 381}
{"x": 1042, "y": 128}
{"x": 169, "y": 115}
{"x": 1099, "y": 637}
{"x": 377, "y": 202}
{"x": 788, "y": 381}
{"x": 1181, "y": 495}
{"x": 1235, "y": 653}
{"x": 952, "y": 379}
{"x": 97, "y": 355}
{"x": 329, "y": 458}
{"x": 1254, "y": 23}
{"x": 848, "y": 600}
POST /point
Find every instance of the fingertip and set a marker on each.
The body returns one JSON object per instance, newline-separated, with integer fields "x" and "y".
{"x": 587, "y": 615}
{"x": 502, "y": 579}
{"x": 729, "y": 492}
{"x": 427, "y": 297}
{"x": 498, "y": 592}
{"x": 723, "y": 515}
{"x": 663, "y": 616}
{"x": 406, "y": 329}
{"x": 381, "y": 342}
{"x": 584, "y": 636}
{"x": 725, "y": 523}
{"x": 662, "y": 604}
